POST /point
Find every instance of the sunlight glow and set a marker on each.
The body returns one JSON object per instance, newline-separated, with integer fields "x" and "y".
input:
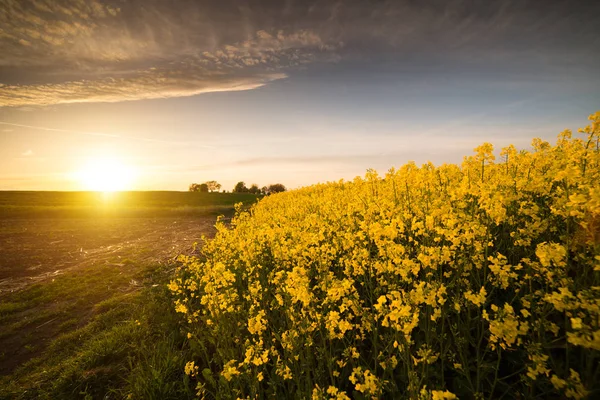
{"x": 106, "y": 175}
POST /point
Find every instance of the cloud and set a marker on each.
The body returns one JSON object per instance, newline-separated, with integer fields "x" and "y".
{"x": 241, "y": 66}
{"x": 323, "y": 159}
{"x": 108, "y": 135}
{"x": 146, "y": 85}
{"x": 47, "y": 27}
{"x": 66, "y": 51}
{"x": 27, "y": 153}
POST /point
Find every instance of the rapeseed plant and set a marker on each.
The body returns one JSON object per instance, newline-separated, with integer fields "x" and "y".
{"x": 477, "y": 280}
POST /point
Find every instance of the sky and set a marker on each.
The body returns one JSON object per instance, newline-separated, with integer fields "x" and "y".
{"x": 296, "y": 92}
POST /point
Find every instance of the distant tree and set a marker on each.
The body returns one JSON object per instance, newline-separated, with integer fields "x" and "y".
{"x": 264, "y": 190}
{"x": 213, "y": 186}
{"x": 240, "y": 187}
{"x": 254, "y": 189}
{"x": 198, "y": 187}
{"x": 276, "y": 188}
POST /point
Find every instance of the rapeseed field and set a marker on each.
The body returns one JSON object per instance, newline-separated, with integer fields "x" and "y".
{"x": 479, "y": 280}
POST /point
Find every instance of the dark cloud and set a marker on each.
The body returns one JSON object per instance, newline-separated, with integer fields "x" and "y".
{"x": 61, "y": 51}
{"x": 89, "y": 51}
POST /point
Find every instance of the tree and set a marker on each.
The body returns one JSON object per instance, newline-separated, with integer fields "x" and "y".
{"x": 199, "y": 187}
{"x": 254, "y": 189}
{"x": 213, "y": 186}
{"x": 195, "y": 187}
{"x": 240, "y": 187}
{"x": 264, "y": 190}
{"x": 276, "y": 188}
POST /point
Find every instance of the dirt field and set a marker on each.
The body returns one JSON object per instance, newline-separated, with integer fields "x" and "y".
{"x": 54, "y": 271}
{"x": 33, "y": 250}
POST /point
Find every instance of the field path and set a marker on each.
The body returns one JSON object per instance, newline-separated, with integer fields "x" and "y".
{"x": 54, "y": 272}
{"x": 35, "y": 250}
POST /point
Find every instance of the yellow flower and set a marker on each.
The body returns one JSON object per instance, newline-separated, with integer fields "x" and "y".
{"x": 426, "y": 394}
{"x": 506, "y": 328}
{"x": 257, "y": 324}
{"x": 229, "y": 370}
{"x": 477, "y": 299}
{"x": 441, "y": 395}
{"x": 364, "y": 381}
{"x": 539, "y": 366}
{"x": 572, "y": 388}
{"x": 180, "y": 308}
{"x": 190, "y": 368}
{"x": 336, "y": 394}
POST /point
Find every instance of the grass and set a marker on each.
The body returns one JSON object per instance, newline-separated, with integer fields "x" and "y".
{"x": 131, "y": 347}
{"x": 156, "y": 199}
{"x": 21, "y": 204}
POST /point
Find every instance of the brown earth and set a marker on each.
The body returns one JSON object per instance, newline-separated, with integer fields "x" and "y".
{"x": 33, "y": 250}
{"x": 53, "y": 272}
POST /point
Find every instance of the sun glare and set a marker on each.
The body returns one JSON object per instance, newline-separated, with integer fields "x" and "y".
{"x": 106, "y": 175}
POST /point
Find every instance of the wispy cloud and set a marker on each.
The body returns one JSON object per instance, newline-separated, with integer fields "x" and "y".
{"x": 27, "y": 153}
{"x": 150, "y": 84}
{"x": 56, "y": 129}
{"x": 108, "y": 135}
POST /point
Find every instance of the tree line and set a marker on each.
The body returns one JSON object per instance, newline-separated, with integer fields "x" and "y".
{"x": 210, "y": 186}
{"x": 240, "y": 187}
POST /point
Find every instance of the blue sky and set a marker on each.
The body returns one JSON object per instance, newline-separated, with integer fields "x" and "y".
{"x": 290, "y": 92}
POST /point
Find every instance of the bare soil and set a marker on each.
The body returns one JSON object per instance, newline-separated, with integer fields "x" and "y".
{"x": 34, "y": 250}
{"x": 53, "y": 272}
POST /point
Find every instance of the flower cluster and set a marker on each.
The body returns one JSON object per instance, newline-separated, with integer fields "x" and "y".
{"x": 473, "y": 280}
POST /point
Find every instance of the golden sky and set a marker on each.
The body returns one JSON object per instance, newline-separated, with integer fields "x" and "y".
{"x": 281, "y": 91}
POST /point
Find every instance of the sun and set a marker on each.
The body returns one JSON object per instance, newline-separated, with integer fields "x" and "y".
{"x": 106, "y": 175}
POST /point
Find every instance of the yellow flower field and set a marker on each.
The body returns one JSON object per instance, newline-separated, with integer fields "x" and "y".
{"x": 478, "y": 280}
